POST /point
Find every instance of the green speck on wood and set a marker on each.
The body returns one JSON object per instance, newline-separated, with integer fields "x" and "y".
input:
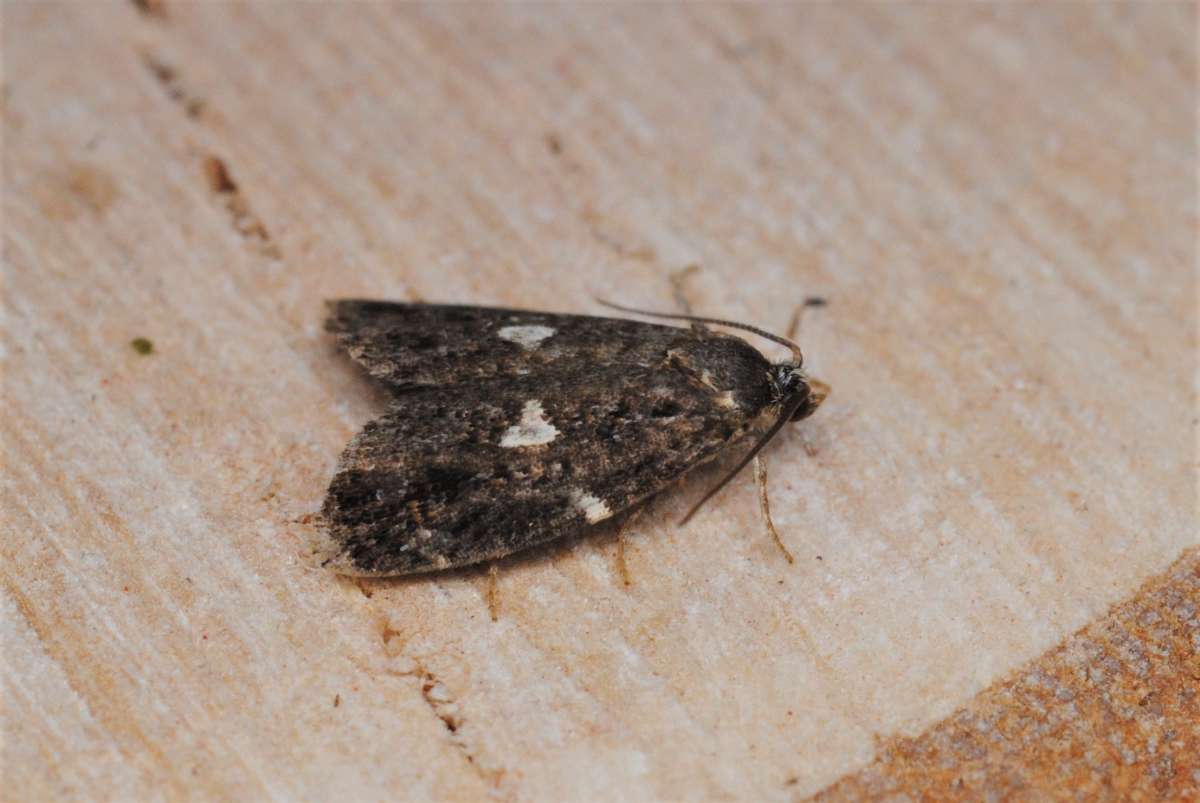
{"x": 142, "y": 345}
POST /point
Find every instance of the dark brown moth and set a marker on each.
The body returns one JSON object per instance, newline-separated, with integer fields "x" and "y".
{"x": 507, "y": 428}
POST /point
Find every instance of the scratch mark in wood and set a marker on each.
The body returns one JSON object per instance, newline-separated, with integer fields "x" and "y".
{"x": 437, "y": 696}
{"x": 216, "y": 171}
{"x": 219, "y": 180}
{"x": 168, "y": 77}
{"x": 600, "y": 227}
{"x": 151, "y": 8}
{"x": 245, "y": 222}
{"x": 643, "y": 253}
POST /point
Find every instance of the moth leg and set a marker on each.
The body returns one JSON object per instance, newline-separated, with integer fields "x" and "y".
{"x": 793, "y": 330}
{"x": 622, "y": 567}
{"x": 760, "y": 477}
{"x": 493, "y": 592}
{"x": 677, "y": 280}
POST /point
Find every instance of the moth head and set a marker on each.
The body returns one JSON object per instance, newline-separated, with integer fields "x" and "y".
{"x": 796, "y": 388}
{"x": 796, "y": 397}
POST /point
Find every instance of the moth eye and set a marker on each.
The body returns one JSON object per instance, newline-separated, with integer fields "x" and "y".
{"x": 665, "y": 408}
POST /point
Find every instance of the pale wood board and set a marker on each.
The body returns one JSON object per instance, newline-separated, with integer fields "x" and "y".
{"x": 999, "y": 201}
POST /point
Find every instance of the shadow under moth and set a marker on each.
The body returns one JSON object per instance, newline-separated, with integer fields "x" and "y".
{"x": 507, "y": 429}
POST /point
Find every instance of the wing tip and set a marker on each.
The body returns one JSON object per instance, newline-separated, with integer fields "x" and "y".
{"x": 340, "y": 313}
{"x": 346, "y": 314}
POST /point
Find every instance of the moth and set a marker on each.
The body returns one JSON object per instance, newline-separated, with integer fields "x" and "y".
{"x": 508, "y": 428}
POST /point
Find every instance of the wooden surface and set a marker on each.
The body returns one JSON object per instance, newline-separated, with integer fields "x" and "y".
{"x": 1112, "y": 713}
{"x": 999, "y": 202}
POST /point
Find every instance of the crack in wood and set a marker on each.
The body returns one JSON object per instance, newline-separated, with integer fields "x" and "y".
{"x": 168, "y": 78}
{"x": 245, "y": 222}
{"x": 441, "y": 703}
{"x": 445, "y": 708}
{"x": 220, "y": 178}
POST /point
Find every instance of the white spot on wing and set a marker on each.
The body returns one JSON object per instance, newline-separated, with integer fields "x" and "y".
{"x": 532, "y": 430}
{"x": 527, "y": 337}
{"x": 593, "y": 509}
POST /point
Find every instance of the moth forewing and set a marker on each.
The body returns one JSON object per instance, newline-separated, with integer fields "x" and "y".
{"x": 508, "y": 428}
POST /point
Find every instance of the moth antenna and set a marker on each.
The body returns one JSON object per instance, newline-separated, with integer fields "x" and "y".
{"x": 784, "y": 416}
{"x": 783, "y": 341}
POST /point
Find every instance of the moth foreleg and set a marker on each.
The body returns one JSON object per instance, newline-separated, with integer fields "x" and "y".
{"x": 622, "y": 567}
{"x": 764, "y": 503}
{"x": 677, "y": 280}
{"x": 493, "y": 592}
